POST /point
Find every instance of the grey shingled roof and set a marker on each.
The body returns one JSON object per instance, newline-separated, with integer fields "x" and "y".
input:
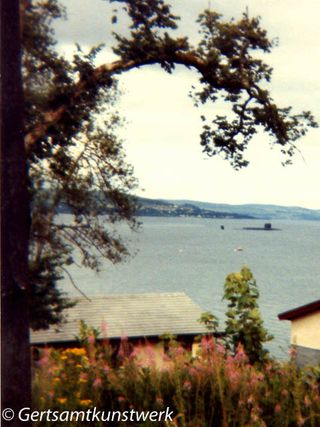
{"x": 131, "y": 315}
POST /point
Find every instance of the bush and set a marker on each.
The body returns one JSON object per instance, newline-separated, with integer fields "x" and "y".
{"x": 216, "y": 388}
{"x": 244, "y": 324}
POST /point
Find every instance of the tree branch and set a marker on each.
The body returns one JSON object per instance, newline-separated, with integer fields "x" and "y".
{"x": 52, "y": 117}
{"x": 74, "y": 284}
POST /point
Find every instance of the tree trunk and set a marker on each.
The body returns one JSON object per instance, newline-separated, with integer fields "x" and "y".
{"x": 15, "y": 223}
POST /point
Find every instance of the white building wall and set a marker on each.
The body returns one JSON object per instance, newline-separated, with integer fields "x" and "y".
{"x": 305, "y": 331}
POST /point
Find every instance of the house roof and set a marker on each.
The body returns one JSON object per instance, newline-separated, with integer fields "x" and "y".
{"x": 133, "y": 315}
{"x": 301, "y": 311}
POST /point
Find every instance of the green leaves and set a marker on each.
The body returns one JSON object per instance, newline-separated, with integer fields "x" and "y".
{"x": 149, "y": 14}
{"x": 235, "y": 75}
{"x": 244, "y": 324}
{"x": 210, "y": 321}
{"x": 76, "y": 163}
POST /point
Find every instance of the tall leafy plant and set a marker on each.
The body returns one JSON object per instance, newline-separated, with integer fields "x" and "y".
{"x": 244, "y": 325}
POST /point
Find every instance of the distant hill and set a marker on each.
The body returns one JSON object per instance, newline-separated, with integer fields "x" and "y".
{"x": 267, "y": 212}
{"x": 192, "y": 208}
{"x": 168, "y": 208}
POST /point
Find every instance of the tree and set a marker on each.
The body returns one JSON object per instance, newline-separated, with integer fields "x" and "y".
{"x": 78, "y": 163}
{"x": 15, "y": 222}
{"x": 244, "y": 325}
{"x": 75, "y": 155}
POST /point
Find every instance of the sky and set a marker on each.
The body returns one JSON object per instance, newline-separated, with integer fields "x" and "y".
{"x": 161, "y": 137}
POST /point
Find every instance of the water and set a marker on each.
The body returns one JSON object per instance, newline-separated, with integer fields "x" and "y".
{"x": 194, "y": 255}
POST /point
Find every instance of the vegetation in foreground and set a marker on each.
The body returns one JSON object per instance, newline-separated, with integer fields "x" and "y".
{"x": 215, "y": 388}
{"x": 230, "y": 381}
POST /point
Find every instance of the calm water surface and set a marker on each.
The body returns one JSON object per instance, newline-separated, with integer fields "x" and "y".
{"x": 194, "y": 255}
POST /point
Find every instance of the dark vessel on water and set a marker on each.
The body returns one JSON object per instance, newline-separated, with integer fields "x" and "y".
{"x": 267, "y": 227}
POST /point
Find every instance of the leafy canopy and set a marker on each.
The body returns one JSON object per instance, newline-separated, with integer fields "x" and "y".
{"x": 75, "y": 157}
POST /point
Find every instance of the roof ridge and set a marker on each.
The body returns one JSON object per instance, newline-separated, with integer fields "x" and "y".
{"x": 118, "y": 295}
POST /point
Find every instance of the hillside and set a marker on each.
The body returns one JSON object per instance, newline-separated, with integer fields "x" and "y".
{"x": 266, "y": 212}
{"x": 167, "y": 208}
{"x": 192, "y": 208}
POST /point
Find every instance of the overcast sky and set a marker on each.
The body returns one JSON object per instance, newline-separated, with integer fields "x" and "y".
{"x": 162, "y": 134}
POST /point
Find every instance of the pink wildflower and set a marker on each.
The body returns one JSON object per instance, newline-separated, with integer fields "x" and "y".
{"x": 315, "y": 393}
{"x": 45, "y": 355}
{"x": 255, "y": 378}
{"x": 43, "y": 362}
{"x": 150, "y": 351}
{"x": 300, "y": 421}
{"x": 254, "y": 417}
{"x": 207, "y": 343}
{"x": 250, "y": 400}
{"x": 269, "y": 367}
{"x": 135, "y": 352}
{"x": 179, "y": 351}
{"x": 165, "y": 367}
{"x": 165, "y": 358}
{"x": 232, "y": 372}
{"x": 260, "y": 376}
{"x": 91, "y": 339}
{"x": 159, "y": 401}
{"x": 307, "y": 401}
{"x": 234, "y": 377}
{"x": 97, "y": 383}
{"x": 220, "y": 348}
{"x": 51, "y": 370}
{"x": 125, "y": 348}
{"x": 83, "y": 378}
{"x": 187, "y": 385}
{"x": 292, "y": 352}
{"x": 240, "y": 354}
{"x": 104, "y": 328}
{"x": 193, "y": 371}
{"x": 277, "y": 408}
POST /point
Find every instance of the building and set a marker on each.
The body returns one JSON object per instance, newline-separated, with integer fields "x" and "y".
{"x": 305, "y": 332}
{"x": 141, "y": 318}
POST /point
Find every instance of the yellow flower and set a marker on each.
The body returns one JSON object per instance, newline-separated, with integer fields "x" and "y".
{"x": 62, "y": 400}
{"x": 78, "y": 366}
{"x": 56, "y": 380}
{"x": 75, "y": 351}
{"x": 85, "y": 402}
{"x": 64, "y": 357}
{"x": 83, "y": 378}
